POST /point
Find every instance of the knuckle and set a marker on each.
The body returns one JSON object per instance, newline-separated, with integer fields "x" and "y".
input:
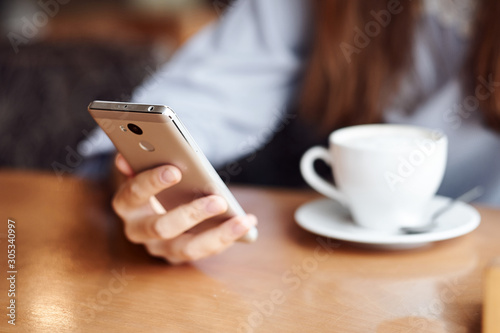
{"x": 190, "y": 254}
{"x": 156, "y": 230}
{"x": 131, "y": 234}
{"x": 195, "y": 213}
{"x": 163, "y": 249}
{"x": 225, "y": 239}
{"x": 174, "y": 260}
{"x": 133, "y": 191}
{"x": 139, "y": 188}
{"x": 155, "y": 251}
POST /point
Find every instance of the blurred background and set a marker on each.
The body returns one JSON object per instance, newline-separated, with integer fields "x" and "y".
{"x": 58, "y": 55}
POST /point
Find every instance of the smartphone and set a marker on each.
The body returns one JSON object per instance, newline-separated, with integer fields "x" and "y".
{"x": 152, "y": 135}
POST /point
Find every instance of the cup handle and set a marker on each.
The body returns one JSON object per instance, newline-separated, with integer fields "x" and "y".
{"x": 313, "y": 179}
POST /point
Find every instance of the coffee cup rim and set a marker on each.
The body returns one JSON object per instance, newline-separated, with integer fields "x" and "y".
{"x": 338, "y": 137}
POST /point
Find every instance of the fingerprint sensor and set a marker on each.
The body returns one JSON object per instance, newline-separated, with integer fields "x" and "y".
{"x": 146, "y": 146}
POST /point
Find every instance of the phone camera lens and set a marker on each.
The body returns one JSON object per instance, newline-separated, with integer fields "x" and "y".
{"x": 134, "y": 129}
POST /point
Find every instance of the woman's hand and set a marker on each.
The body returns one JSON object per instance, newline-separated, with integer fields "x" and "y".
{"x": 164, "y": 235}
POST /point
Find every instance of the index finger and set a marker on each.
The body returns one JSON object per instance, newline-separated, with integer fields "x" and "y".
{"x": 138, "y": 190}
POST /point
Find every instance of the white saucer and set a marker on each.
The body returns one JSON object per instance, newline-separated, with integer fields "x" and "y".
{"x": 328, "y": 218}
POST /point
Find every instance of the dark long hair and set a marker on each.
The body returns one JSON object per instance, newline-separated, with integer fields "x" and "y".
{"x": 345, "y": 84}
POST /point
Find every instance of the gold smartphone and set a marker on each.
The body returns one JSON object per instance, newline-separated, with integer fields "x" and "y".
{"x": 152, "y": 135}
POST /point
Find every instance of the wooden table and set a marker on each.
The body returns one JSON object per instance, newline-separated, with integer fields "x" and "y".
{"x": 77, "y": 273}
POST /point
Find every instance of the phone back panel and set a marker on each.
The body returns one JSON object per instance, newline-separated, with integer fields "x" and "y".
{"x": 172, "y": 145}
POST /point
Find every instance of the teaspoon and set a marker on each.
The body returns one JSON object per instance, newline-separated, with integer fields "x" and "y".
{"x": 468, "y": 196}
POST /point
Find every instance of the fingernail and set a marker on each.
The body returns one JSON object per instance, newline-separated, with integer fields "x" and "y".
{"x": 243, "y": 225}
{"x": 215, "y": 205}
{"x": 169, "y": 176}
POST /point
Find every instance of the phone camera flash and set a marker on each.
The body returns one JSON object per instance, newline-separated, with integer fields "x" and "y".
{"x": 123, "y": 128}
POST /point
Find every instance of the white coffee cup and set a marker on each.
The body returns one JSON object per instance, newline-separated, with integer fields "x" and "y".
{"x": 386, "y": 175}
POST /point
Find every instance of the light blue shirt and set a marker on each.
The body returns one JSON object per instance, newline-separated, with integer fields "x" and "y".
{"x": 233, "y": 81}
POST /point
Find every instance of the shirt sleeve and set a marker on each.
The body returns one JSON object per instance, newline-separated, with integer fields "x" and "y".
{"x": 232, "y": 81}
